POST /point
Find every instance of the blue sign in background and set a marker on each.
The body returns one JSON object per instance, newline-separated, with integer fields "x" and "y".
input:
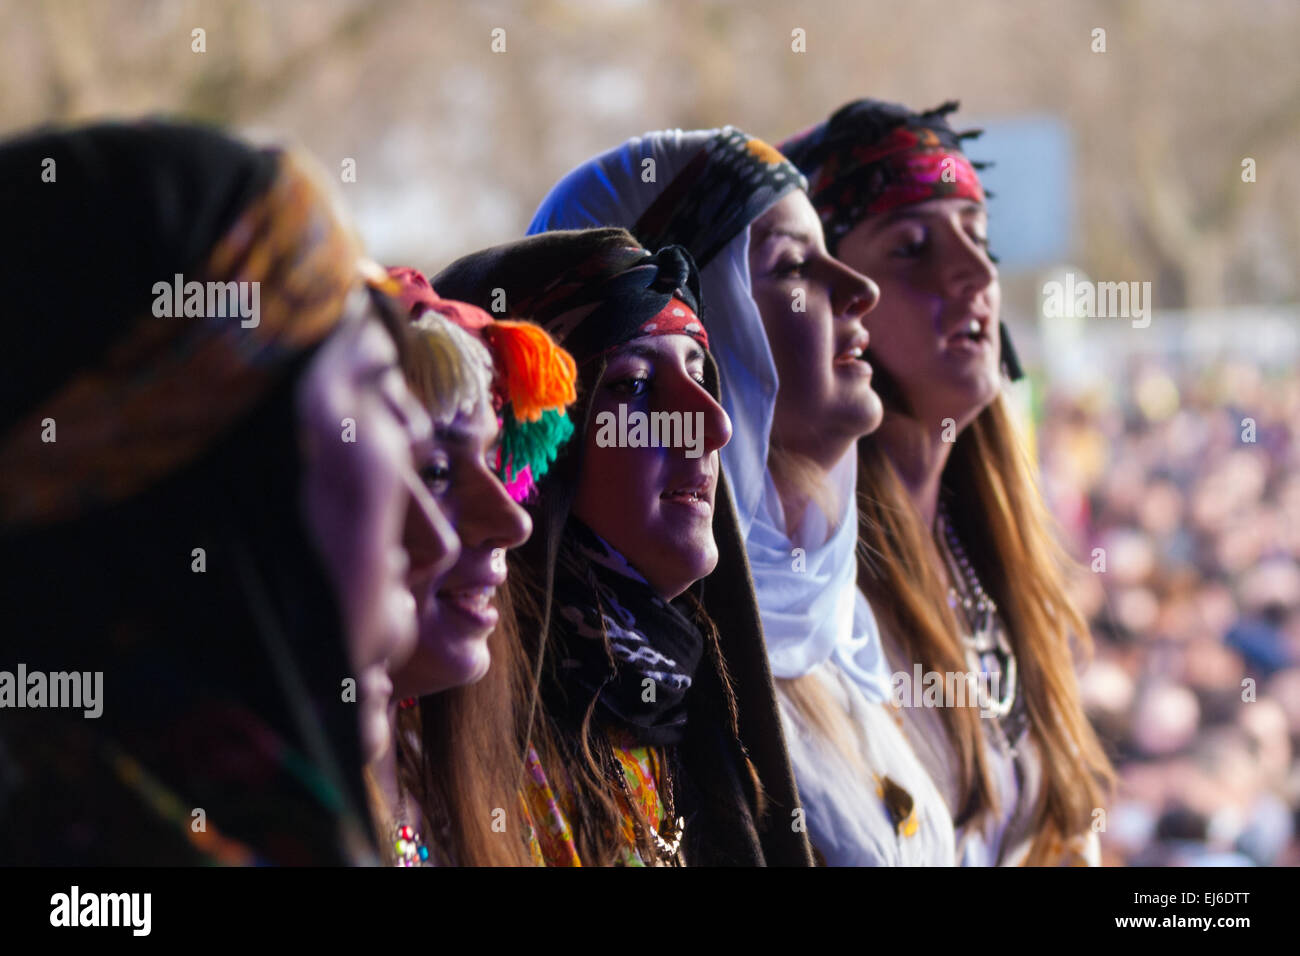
{"x": 1031, "y": 216}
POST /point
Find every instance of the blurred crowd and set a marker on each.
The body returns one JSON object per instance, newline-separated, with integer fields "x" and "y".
{"x": 1178, "y": 484}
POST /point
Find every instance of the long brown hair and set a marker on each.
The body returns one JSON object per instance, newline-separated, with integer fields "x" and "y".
{"x": 993, "y": 500}
{"x": 460, "y": 755}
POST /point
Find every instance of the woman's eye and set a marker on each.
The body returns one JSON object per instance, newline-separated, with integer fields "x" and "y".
{"x": 636, "y": 386}
{"x": 789, "y": 268}
{"x": 435, "y": 476}
{"x": 983, "y": 243}
{"x": 910, "y": 248}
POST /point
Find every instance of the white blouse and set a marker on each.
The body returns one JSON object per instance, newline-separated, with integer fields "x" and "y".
{"x": 845, "y": 811}
{"x": 1005, "y": 839}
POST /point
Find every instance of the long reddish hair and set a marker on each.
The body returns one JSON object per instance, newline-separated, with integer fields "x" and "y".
{"x": 1009, "y": 536}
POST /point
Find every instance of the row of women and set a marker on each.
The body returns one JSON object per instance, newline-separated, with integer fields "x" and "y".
{"x": 370, "y": 577}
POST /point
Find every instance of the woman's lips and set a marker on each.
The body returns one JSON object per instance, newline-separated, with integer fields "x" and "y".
{"x": 692, "y": 500}
{"x": 851, "y": 359}
{"x": 970, "y": 339}
{"x": 473, "y": 603}
{"x": 696, "y": 495}
{"x": 853, "y": 363}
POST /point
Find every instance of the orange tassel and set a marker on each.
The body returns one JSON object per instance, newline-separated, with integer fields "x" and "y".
{"x": 536, "y": 374}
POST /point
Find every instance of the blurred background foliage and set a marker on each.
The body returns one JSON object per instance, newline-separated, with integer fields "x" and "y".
{"x": 456, "y": 144}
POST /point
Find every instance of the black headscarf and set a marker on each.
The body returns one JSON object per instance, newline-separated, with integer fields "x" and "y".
{"x": 592, "y": 290}
{"x": 223, "y": 735}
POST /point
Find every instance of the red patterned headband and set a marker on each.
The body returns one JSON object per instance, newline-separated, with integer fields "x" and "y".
{"x": 676, "y": 318}
{"x": 909, "y": 165}
{"x": 921, "y": 169}
{"x": 871, "y": 157}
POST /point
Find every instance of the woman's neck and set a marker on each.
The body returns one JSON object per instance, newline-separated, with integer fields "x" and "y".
{"x": 919, "y": 456}
{"x": 801, "y": 482}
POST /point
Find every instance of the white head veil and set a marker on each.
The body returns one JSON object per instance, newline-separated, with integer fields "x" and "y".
{"x": 807, "y": 594}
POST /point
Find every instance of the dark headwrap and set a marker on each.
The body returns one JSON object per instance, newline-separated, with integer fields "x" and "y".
{"x": 872, "y": 156}
{"x": 118, "y": 379}
{"x": 223, "y": 735}
{"x": 730, "y": 182}
{"x": 592, "y": 289}
{"x": 595, "y": 290}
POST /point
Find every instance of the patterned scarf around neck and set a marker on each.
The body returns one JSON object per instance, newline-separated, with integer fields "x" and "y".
{"x": 599, "y": 595}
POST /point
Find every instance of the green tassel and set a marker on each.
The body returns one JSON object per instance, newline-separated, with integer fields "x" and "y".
{"x": 532, "y": 445}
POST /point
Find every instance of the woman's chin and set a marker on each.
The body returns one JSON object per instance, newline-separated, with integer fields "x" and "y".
{"x": 873, "y": 413}
{"x": 441, "y": 665}
{"x": 376, "y": 733}
{"x": 685, "y": 565}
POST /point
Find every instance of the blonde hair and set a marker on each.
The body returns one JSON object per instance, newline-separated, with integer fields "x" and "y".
{"x": 450, "y": 369}
{"x": 809, "y": 696}
{"x": 996, "y": 508}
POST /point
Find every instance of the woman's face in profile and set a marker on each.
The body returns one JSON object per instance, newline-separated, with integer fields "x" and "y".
{"x": 939, "y": 304}
{"x": 457, "y": 608}
{"x": 367, "y": 511}
{"x": 654, "y": 505}
{"x": 812, "y": 307}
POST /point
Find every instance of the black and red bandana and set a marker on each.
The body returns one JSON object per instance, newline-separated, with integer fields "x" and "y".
{"x": 871, "y": 157}
{"x": 591, "y": 289}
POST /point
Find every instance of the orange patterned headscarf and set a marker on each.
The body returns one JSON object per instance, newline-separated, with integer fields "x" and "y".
{"x": 171, "y": 385}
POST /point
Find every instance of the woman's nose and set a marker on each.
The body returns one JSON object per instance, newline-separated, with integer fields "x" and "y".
{"x": 968, "y": 268}
{"x": 494, "y": 519}
{"x": 853, "y": 295}
{"x": 717, "y": 423}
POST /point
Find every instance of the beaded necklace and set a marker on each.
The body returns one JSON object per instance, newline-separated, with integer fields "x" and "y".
{"x": 986, "y": 646}
{"x": 668, "y": 850}
{"x": 407, "y": 842}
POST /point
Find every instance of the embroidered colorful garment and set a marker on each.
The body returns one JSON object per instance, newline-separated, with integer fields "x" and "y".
{"x": 547, "y": 805}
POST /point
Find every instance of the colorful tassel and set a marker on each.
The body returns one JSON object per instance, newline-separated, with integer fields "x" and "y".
{"x": 521, "y": 486}
{"x": 535, "y": 373}
{"x": 532, "y": 445}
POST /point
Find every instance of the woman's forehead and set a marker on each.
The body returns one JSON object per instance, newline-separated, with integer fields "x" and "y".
{"x": 792, "y": 214}
{"x": 477, "y": 425}
{"x": 944, "y": 206}
{"x": 673, "y": 346}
